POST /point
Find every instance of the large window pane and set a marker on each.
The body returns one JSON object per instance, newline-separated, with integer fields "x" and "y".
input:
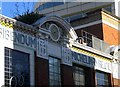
{"x": 16, "y": 68}
{"x": 54, "y": 72}
{"x": 79, "y": 77}
{"x": 102, "y": 79}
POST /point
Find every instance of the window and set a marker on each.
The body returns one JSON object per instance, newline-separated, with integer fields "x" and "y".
{"x": 49, "y": 5}
{"x": 102, "y": 79}
{"x": 16, "y": 68}
{"x": 79, "y": 76}
{"x": 108, "y": 8}
{"x": 87, "y": 37}
{"x": 54, "y": 71}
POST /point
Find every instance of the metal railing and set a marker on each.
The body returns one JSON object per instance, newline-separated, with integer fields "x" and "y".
{"x": 96, "y": 43}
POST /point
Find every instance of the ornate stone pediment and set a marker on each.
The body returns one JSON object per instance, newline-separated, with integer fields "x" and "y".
{"x": 65, "y": 28}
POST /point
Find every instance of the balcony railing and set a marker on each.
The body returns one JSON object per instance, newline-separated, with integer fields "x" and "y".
{"x": 95, "y": 43}
{"x": 100, "y": 45}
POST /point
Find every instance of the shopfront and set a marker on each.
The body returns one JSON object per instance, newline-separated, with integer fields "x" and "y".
{"x": 83, "y": 69}
{"x": 87, "y": 65}
{"x": 17, "y": 57}
{"x": 103, "y": 72}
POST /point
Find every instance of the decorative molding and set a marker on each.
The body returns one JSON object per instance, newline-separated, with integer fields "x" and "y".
{"x": 17, "y": 25}
{"x": 90, "y": 54}
{"x": 58, "y": 20}
{"x": 111, "y": 16}
{"x": 66, "y": 56}
{"x": 92, "y": 50}
{"x": 42, "y": 49}
{"x": 9, "y": 25}
{"x": 111, "y": 25}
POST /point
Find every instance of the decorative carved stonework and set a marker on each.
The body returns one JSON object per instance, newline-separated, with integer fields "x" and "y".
{"x": 42, "y": 48}
{"x": 17, "y": 25}
{"x": 66, "y": 56}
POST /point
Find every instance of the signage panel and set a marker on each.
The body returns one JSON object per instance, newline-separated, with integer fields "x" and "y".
{"x": 17, "y": 37}
{"x": 23, "y": 39}
{"x": 83, "y": 59}
{"x": 102, "y": 65}
{"x": 89, "y": 59}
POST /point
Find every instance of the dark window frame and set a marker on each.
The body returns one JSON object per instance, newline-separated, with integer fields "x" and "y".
{"x": 108, "y": 78}
{"x": 53, "y": 72}
{"x": 8, "y": 55}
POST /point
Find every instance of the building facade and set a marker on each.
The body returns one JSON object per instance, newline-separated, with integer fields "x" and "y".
{"x": 95, "y": 23}
{"x": 71, "y": 9}
{"x": 50, "y": 53}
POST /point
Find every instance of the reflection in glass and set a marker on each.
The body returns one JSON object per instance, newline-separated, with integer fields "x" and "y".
{"x": 16, "y": 68}
{"x": 48, "y": 5}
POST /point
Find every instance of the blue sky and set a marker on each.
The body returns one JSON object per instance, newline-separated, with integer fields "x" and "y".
{"x": 11, "y": 9}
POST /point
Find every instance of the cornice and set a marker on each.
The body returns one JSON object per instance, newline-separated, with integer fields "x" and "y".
{"x": 17, "y": 25}
{"x": 110, "y": 15}
{"x": 92, "y": 50}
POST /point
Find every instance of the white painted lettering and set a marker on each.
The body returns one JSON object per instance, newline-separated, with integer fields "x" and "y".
{"x": 1, "y": 32}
